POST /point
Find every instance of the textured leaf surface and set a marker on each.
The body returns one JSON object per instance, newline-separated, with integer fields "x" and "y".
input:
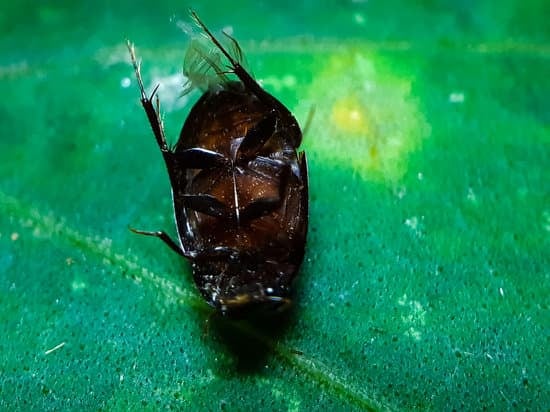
{"x": 426, "y": 282}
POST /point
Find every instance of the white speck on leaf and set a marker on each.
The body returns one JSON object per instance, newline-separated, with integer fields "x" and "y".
{"x": 57, "y": 347}
{"x": 125, "y": 82}
{"x": 456, "y": 97}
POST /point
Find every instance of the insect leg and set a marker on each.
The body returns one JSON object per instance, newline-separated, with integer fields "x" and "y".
{"x": 207, "y": 204}
{"x": 257, "y": 136}
{"x": 199, "y": 158}
{"x": 153, "y": 114}
{"x": 260, "y": 208}
{"x": 165, "y": 238}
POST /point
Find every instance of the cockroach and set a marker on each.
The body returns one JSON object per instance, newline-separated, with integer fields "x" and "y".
{"x": 239, "y": 185}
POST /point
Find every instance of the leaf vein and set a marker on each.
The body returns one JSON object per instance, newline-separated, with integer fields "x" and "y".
{"x": 49, "y": 226}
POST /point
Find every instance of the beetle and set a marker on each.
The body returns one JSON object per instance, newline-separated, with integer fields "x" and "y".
{"x": 239, "y": 184}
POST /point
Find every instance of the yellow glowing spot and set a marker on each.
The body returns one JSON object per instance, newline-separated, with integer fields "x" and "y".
{"x": 369, "y": 121}
{"x": 14, "y": 236}
{"x": 349, "y": 116}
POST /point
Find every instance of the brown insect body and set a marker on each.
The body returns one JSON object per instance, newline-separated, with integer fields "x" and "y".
{"x": 240, "y": 191}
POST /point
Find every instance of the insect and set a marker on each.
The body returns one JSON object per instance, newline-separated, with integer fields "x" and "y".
{"x": 239, "y": 185}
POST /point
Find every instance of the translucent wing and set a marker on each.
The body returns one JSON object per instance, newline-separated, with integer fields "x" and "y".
{"x": 207, "y": 63}
{"x": 235, "y": 50}
{"x": 203, "y": 67}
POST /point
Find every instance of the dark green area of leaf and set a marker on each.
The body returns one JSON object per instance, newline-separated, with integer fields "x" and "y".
{"x": 423, "y": 290}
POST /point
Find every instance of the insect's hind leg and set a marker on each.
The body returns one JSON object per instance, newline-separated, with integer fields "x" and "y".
{"x": 152, "y": 112}
{"x": 165, "y": 238}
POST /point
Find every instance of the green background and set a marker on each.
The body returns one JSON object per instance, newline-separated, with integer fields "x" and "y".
{"x": 426, "y": 281}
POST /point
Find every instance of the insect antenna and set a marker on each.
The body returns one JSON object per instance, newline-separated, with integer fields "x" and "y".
{"x": 309, "y": 120}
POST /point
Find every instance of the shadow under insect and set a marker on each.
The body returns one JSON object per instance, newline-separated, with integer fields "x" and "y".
{"x": 253, "y": 340}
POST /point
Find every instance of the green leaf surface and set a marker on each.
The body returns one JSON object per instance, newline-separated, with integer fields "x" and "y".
{"x": 426, "y": 281}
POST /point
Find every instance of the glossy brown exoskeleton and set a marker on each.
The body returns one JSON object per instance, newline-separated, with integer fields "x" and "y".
{"x": 239, "y": 186}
